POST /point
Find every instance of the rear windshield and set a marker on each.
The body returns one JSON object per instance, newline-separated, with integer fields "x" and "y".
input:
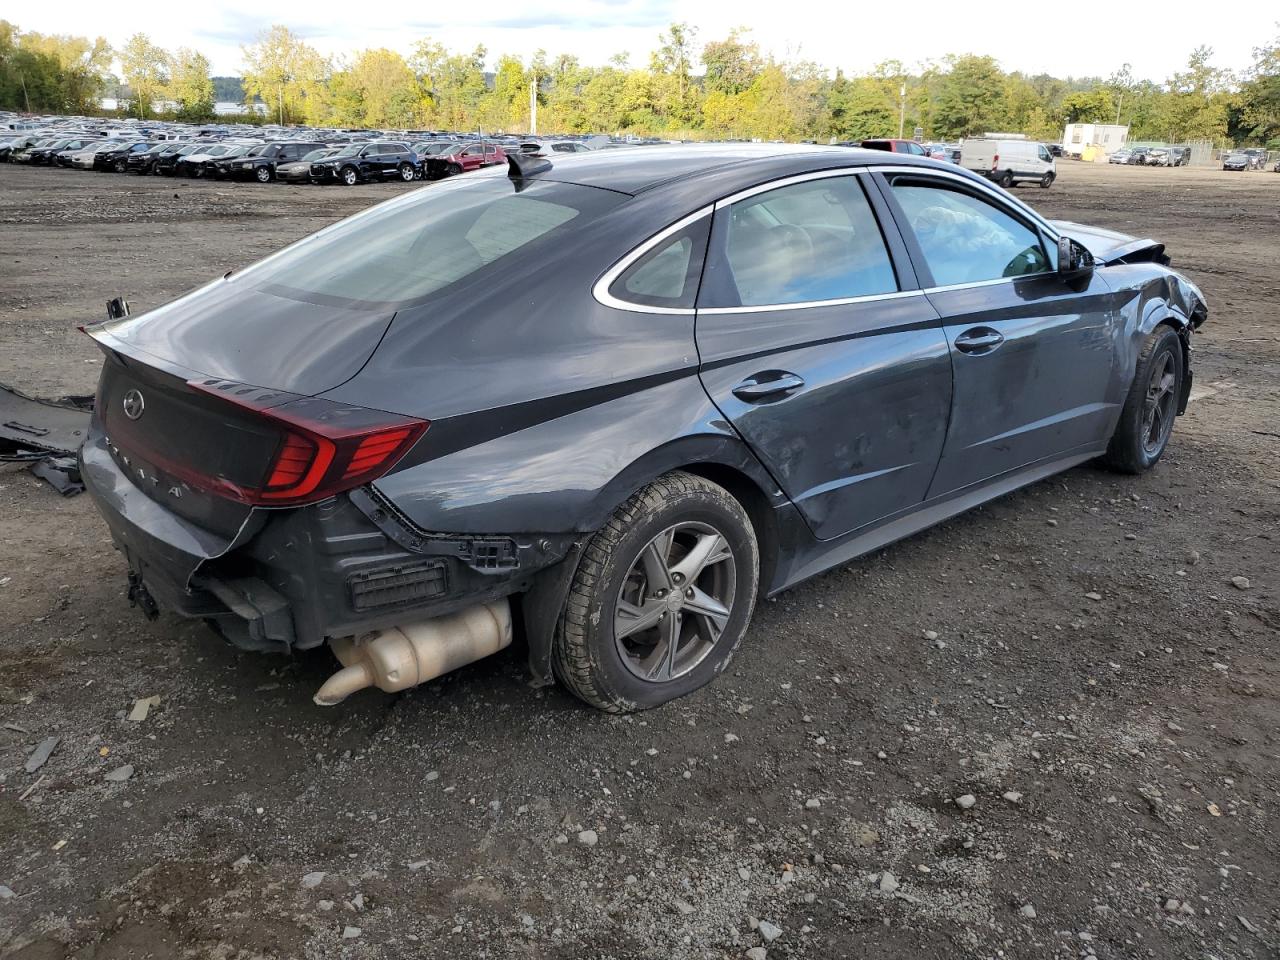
{"x": 402, "y": 252}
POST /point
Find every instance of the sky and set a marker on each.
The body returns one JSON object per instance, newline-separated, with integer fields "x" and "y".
{"x": 1081, "y": 39}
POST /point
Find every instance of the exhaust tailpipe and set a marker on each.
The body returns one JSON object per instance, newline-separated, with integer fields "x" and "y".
{"x": 401, "y": 657}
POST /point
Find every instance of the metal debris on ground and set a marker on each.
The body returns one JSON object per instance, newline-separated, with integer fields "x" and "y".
{"x": 142, "y": 707}
{"x": 40, "y": 755}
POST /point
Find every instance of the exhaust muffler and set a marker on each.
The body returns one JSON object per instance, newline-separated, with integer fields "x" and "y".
{"x": 401, "y": 657}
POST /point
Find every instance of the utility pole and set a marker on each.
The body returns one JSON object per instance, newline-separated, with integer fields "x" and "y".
{"x": 533, "y": 105}
{"x": 902, "y": 109}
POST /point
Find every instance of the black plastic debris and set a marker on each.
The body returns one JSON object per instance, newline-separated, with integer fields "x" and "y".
{"x": 45, "y": 433}
{"x": 62, "y": 473}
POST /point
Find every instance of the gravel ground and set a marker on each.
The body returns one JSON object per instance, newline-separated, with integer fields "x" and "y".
{"x": 1050, "y": 728}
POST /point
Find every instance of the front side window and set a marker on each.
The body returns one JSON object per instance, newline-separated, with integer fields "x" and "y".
{"x": 965, "y": 239}
{"x": 810, "y": 241}
{"x": 1044, "y": 154}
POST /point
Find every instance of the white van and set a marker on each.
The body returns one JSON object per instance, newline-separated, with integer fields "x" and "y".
{"x": 1009, "y": 162}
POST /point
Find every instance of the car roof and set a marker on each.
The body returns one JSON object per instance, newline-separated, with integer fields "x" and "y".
{"x": 634, "y": 170}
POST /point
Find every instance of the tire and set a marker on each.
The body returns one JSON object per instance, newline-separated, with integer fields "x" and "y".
{"x": 1046, "y": 181}
{"x": 453, "y": 170}
{"x": 263, "y": 174}
{"x": 670, "y": 521}
{"x": 1005, "y": 179}
{"x": 406, "y": 172}
{"x": 350, "y": 176}
{"x": 119, "y": 166}
{"x": 1139, "y": 441}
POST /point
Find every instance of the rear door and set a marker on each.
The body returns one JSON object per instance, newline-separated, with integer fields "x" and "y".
{"x": 1034, "y": 357}
{"x": 817, "y": 343}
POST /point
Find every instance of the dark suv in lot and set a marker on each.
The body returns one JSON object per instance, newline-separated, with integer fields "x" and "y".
{"x": 145, "y": 162}
{"x": 116, "y": 159}
{"x": 380, "y": 160}
{"x": 261, "y": 161}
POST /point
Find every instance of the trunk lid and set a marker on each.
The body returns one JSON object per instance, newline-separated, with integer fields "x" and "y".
{"x": 157, "y": 427}
{"x": 257, "y": 334}
{"x": 183, "y": 387}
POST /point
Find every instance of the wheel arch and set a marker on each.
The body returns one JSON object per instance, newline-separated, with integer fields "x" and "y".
{"x": 723, "y": 459}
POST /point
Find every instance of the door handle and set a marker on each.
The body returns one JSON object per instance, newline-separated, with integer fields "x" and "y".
{"x": 979, "y": 340}
{"x": 770, "y": 383}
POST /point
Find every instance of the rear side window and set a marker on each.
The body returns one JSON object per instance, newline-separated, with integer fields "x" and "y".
{"x": 667, "y": 275}
{"x": 965, "y": 239}
{"x": 807, "y": 242}
{"x": 401, "y": 252}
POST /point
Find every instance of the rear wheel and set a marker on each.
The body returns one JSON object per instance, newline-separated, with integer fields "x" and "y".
{"x": 1006, "y": 179}
{"x": 1146, "y": 421}
{"x": 661, "y": 598}
{"x": 263, "y": 174}
{"x": 406, "y": 172}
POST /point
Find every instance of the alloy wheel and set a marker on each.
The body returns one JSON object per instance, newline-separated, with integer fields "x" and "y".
{"x": 1158, "y": 410}
{"x": 675, "y": 602}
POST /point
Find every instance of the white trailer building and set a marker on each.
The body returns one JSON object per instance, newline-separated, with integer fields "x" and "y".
{"x": 1104, "y": 137}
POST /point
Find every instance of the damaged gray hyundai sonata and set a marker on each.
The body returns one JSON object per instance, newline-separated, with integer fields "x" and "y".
{"x": 607, "y": 402}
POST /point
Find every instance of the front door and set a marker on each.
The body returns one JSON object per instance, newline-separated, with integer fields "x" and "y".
{"x": 830, "y": 363}
{"x": 1033, "y": 356}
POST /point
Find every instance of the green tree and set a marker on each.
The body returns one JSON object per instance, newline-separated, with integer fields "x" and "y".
{"x": 1093, "y": 106}
{"x": 190, "y": 85}
{"x": 1196, "y": 108}
{"x": 732, "y": 64}
{"x": 29, "y": 79}
{"x": 283, "y": 71}
{"x": 1260, "y": 94}
{"x": 673, "y": 95}
{"x": 82, "y": 67}
{"x": 382, "y": 89}
{"x": 145, "y": 69}
{"x": 970, "y": 97}
{"x": 452, "y": 84}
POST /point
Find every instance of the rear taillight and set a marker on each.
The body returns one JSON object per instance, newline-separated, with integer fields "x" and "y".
{"x": 995, "y": 161}
{"x": 325, "y": 447}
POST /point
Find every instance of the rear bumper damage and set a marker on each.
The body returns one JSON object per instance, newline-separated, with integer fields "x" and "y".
{"x": 345, "y": 567}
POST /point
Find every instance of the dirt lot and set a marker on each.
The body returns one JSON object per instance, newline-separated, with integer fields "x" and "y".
{"x": 1123, "y": 752}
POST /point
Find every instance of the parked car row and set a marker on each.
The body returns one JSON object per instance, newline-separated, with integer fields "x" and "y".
{"x": 1151, "y": 156}
{"x": 291, "y": 161}
{"x": 1251, "y": 158}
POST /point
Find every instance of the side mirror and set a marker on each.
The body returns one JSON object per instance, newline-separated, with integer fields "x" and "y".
{"x": 1075, "y": 262}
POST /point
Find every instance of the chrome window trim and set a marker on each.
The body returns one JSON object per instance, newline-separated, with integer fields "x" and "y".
{"x": 786, "y": 182}
{"x": 601, "y": 288}
{"x": 981, "y": 184}
{"x": 984, "y": 283}
{"x": 843, "y": 301}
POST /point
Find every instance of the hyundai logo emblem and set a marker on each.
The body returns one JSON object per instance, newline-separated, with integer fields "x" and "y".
{"x": 134, "y": 404}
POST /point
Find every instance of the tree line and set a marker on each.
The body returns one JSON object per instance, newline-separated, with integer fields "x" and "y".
{"x": 723, "y": 88}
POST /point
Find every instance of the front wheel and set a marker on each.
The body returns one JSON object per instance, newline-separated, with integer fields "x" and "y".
{"x": 453, "y": 169}
{"x": 349, "y": 176}
{"x": 1146, "y": 421}
{"x": 661, "y": 598}
{"x": 1046, "y": 181}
